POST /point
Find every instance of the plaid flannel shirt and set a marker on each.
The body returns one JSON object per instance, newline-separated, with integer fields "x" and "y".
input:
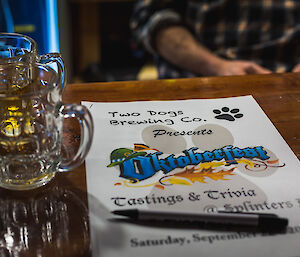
{"x": 264, "y": 31}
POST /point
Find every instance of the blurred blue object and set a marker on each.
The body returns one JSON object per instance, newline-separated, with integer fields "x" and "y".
{"x": 37, "y": 19}
{"x": 6, "y": 19}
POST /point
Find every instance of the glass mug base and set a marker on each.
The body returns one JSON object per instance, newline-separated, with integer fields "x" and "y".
{"x": 19, "y": 184}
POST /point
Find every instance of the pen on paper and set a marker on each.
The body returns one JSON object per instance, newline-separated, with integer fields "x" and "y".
{"x": 259, "y": 220}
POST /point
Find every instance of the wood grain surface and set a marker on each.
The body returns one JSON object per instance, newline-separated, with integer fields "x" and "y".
{"x": 55, "y": 217}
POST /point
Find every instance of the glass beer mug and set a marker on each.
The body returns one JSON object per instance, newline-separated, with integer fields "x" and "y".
{"x": 32, "y": 114}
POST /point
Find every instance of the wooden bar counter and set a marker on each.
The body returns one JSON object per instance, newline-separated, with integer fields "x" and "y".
{"x": 54, "y": 220}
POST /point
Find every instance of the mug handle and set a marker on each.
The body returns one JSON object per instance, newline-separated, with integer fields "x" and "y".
{"x": 51, "y": 58}
{"x": 87, "y": 131}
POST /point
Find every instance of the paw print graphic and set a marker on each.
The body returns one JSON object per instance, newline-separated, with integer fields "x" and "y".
{"x": 185, "y": 180}
{"x": 226, "y": 114}
{"x": 215, "y": 182}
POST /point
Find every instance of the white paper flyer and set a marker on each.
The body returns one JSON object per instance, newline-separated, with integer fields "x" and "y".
{"x": 196, "y": 155}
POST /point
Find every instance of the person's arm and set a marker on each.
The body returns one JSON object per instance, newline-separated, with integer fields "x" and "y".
{"x": 296, "y": 68}
{"x": 148, "y": 16}
{"x": 177, "y": 45}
